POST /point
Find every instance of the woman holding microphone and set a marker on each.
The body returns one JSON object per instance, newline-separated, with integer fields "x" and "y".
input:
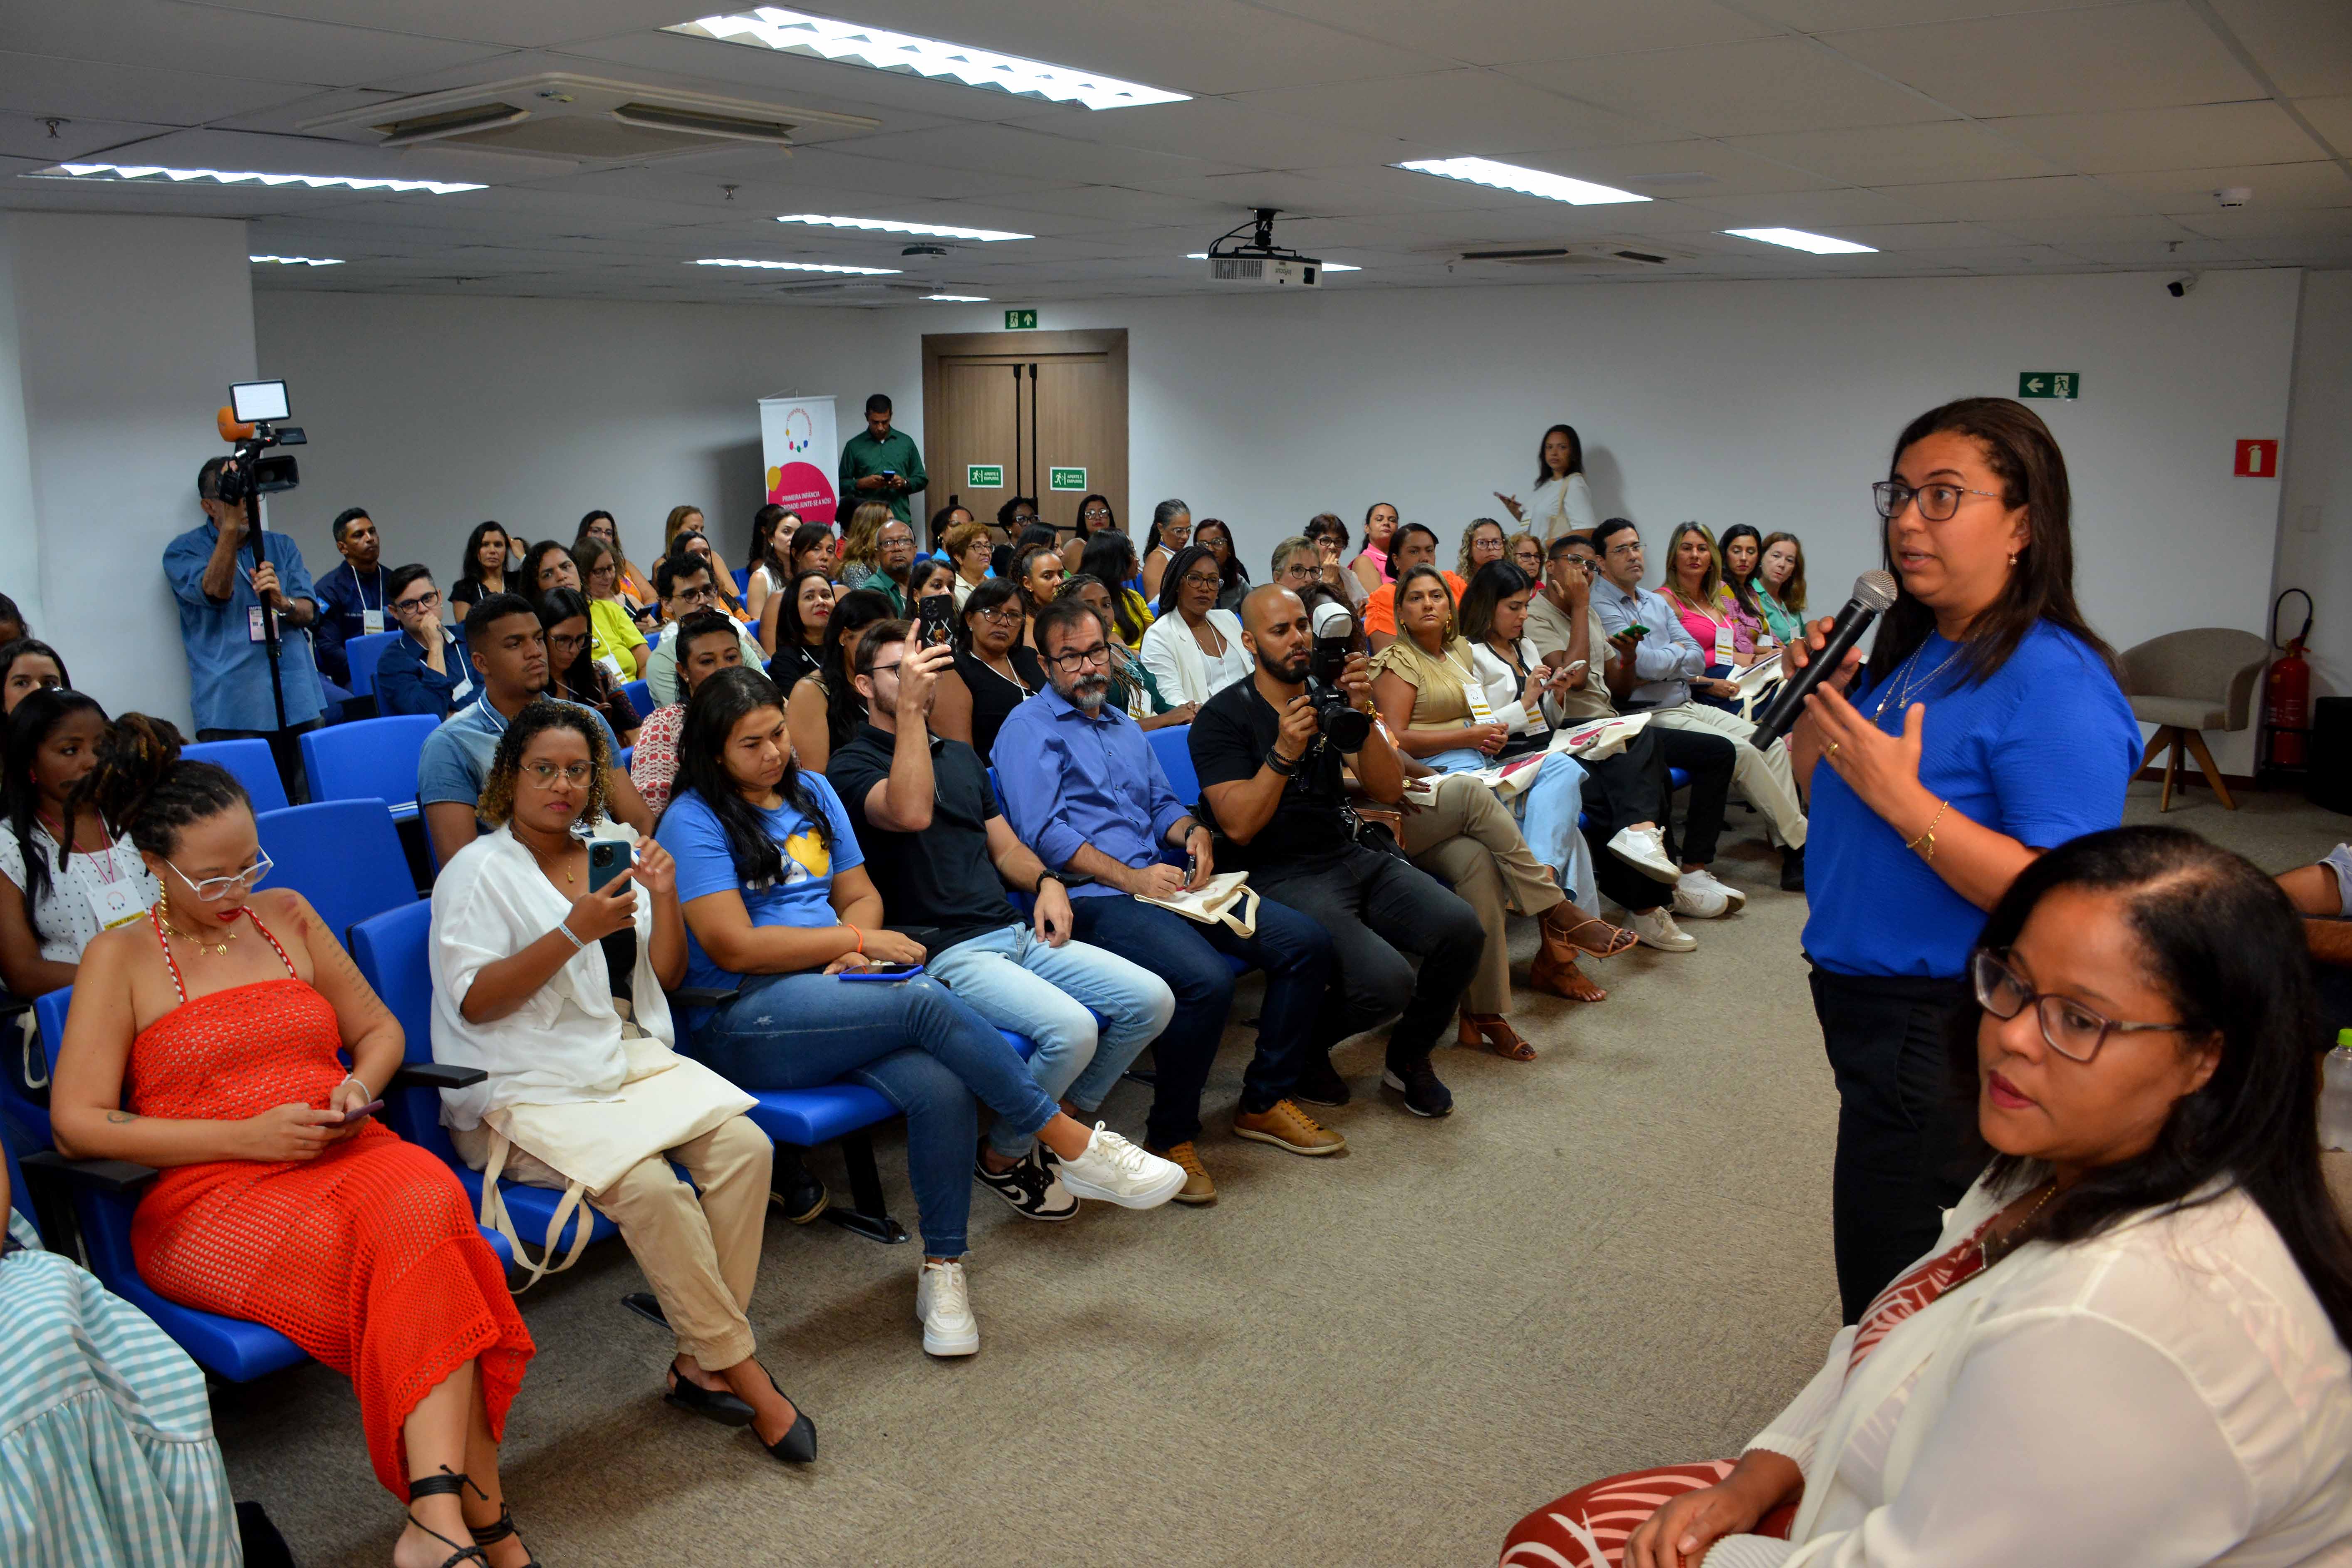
{"x": 1987, "y": 728}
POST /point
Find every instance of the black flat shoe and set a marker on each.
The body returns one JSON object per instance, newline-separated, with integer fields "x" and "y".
{"x": 1793, "y": 870}
{"x": 797, "y": 1191}
{"x": 722, "y": 1408}
{"x": 797, "y": 1447}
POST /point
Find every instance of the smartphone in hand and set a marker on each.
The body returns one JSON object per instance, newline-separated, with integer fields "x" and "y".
{"x": 352, "y": 1118}
{"x": 886, "y": 972}
{"x": 607, "y": 858}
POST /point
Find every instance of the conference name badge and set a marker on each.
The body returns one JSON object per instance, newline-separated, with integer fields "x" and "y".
{"x": 370, "y": 621}
{"x": 114, "y": 903}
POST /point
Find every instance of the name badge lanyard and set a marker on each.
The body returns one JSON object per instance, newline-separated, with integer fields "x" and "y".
{"x": 371, "y": 621}
{"x": 111, "y": 901}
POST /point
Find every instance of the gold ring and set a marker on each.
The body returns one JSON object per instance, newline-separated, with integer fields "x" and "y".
{"x": 1831, "y": 752}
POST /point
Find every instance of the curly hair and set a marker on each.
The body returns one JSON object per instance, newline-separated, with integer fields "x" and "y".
{"x": 142, "y": 786}
{"x": 537, "y": 717}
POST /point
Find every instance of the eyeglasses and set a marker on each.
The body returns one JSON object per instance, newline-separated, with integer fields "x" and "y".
{"x": 1097, "y": 510}
{"x": 702, "y": 595}
{"x": 1298, "y": 572}
{"x": 885, "y": 669}
{"x": 2071, "y": 1030}
{"x": 212, "y": 889}
{"x": 1194, "y": 579}
{"x": 545, "y": 774}
{"x": 1003, "y": 614}
{"x": 420, "y": 603}
{"x": 1076, "y": 659}
{"x": 569, "y": 644}
{"x": 1937, "y": 503}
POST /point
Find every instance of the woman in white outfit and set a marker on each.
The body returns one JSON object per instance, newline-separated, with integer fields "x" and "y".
{"x": 1561, "y": 502}
{"x": 2128, "y": 1345}
{"x": 1194, "y": 649}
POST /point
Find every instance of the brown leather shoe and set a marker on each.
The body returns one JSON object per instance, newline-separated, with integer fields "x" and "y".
{"x": 1197, "y": 1188}
{"x": 1287, "y": 1127}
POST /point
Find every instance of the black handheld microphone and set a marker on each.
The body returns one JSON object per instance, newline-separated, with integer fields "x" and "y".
{"x": 1874, "y": 595}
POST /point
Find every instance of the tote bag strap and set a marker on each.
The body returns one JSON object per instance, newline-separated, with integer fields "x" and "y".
{"x": 495, "y": 1216}
{"x": 1244, "y": 921}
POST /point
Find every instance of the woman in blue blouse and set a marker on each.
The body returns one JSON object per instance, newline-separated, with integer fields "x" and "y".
{"x": 1988, "y": 728}
{"x": 425, "y": 670}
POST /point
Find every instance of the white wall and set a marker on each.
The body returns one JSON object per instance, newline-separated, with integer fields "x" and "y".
{"x": 2314, "y": 540}
{"x": 1771, "y": 403}
{"x": 129, "y": 331}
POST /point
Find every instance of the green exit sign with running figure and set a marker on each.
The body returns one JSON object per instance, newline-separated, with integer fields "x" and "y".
{"x": 2065, "y": 384}
{"x": 1020, "y": 320}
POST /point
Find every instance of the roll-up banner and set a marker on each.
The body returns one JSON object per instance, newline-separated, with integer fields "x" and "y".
{"x": 800, "y": 455}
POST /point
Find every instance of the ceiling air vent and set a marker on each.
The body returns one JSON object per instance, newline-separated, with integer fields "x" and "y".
{"x": 579, "y": 120}
{"x": 1619, "y": 257}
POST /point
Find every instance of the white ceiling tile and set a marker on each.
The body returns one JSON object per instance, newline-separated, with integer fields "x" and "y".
{"x": 25, "y": 137}
{"x": 2071, "y": 233}
{"x": 168, "y": 35}
{"x": 2275, "y": 185}
{"x": 1236, "y": 131}
{"x": 1821, "y": 211}
{"x": 2332, "y": 117}
{"x": 88, "y": 90}
{"x": 2249, "y": 223}
{"x": 1466, "y": 112}
{"x": 1509, "y": 30}
{"x": 1737, "y": 90}
{"x": 2305, "y": 44}
{"x": 2122, "y": 140}
{"x": 1029, "y": 154}
{"x": 1901, "y": 154}
{"x": 1991, "y": 200}
{"x": 1731, "y": 171}
{"x": 1924, "y": 237}
{"x": 1840, "y": 15}
{"x": 531, "y": 25}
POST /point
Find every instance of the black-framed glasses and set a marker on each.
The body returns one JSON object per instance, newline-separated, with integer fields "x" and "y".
{"x": 1194, "y": 579}
{"x": 1937, "y": 503}
{"x": 1003, "y": 615}
{"x": 1076, "y": 659}
{"x": 2072, "y": 1030}
{"x": 418, "y": 603}
{"x": 703, "y": 595}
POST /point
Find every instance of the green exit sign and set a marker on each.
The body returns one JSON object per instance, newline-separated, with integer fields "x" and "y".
{"x": 1020, "y": 320}
{"x": 983, "y": 476}
{"x": 1065, "y": 478}
{"x": 2050, "y": 383}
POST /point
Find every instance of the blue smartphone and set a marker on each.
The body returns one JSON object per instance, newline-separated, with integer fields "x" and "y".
{"x": 891, "y": 973}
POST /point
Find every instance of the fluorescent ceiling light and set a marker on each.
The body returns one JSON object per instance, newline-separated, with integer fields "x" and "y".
{"x": 944, "y": 231}
{"x": 794, "y": 266}
{"x": 1529, "y": 181}
{"x": 959, "y": 298}
{"x": 150, "y": 173}
{"x": 299, "y": 260}
{"x": 1798, "y": 239}
{"x": 1325, "y": 266}
{"x": 794, "y": 32}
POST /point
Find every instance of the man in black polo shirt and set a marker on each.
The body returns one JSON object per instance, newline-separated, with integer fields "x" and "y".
{"x": 1273, "y": 784}
{"x": 941, "y": 855}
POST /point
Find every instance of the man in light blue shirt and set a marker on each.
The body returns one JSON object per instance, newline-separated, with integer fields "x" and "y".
{"x": 221, "y": 592}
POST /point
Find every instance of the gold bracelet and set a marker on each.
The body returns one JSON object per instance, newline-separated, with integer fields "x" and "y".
{"x": 1927, "y": 835}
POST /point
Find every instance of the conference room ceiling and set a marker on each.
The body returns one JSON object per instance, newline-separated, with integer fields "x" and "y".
{"x": 1956, "y": 137}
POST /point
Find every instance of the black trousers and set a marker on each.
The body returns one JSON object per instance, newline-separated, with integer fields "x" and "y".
{"x": 1903, "y": 1133}
{"x": 285, "y": 750}
{"x": 1619, "y": 791}
{"x": 1373, "y": 904}
{"x": 1709, "y": 760}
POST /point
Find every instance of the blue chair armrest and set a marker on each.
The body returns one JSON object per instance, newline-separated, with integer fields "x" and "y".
{"x": 103, "y": 1176}
{"x": 703, "y": 996}
{"x": 435, "y": 1075}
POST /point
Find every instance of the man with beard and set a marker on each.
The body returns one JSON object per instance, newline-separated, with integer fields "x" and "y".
{"x": 1083, "y": 787}
{"x": 1273, "y": 786}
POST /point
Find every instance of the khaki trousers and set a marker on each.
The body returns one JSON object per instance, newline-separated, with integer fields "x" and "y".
{"x": 1764, "y": 777}
{"x": 1470, "y": 839}
{"x": 699, "y": 1253}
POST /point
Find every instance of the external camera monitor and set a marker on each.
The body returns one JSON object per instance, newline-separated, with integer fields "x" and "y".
{"x": 258, "y": 402}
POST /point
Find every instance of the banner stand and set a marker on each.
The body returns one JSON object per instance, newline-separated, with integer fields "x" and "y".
{"x": 799, "y": 453}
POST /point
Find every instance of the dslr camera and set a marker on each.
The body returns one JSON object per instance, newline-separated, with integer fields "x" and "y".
{"x": 1342, "y": 724}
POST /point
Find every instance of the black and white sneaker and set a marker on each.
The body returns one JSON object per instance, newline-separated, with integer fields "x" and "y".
{"x": 1418, "y": 1082}
{"x": 1033, "y": 1191}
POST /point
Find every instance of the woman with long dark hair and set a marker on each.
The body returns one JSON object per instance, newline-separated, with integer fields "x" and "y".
{"x": 1987, "y": 728}
{"x": 56, "y": 900}
{"x": 574, "y": 671}
{"x": 1217, "y": 536}
{"x": 770, "y": 571}
{"x": 2126, "y": 1343}
{"x": 812, "y": 548}
{"x": 482, "y": 572}
{"x": 1110, "y": 558}
{"x": 995, "y": 671}
{"x": 792, "y": 625}
{"x": 1372, "y": 563}
{"x": 615, "y": 639}
{"x": 1561, "y": 502}
{"x": 546, "y": 566}
{"x": 635, "y": 586}
{"x": 29, "y": 665}
{"x": 1171, "y": 530}
{"x": 778, "y": 907}
{"x": 1194, "y": 649}
{"x": 825, "y": 708}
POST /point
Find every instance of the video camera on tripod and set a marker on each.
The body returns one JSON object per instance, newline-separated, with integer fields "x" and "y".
{"x": 251, "y": 425}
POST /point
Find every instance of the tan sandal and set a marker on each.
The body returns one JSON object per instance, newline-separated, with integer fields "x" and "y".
{"x": 1614, "y": 939}
{"x": 1558, "y": 974}
{"x": 1494, "y": 1032}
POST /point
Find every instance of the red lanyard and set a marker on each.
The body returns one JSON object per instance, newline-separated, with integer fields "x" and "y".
{"x": 57, "y": 832}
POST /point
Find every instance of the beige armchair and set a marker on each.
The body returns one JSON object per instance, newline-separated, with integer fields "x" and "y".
{"x": 2187, "y": 682}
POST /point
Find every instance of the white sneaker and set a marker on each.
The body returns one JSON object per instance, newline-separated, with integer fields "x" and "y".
{"x": 943, "y": 1303}
{"x": 1656, "y": 928}
{"x": 1116, "y": 1171}
{"x": 1644, "y": 849}
{"x": 1704, "y": 881}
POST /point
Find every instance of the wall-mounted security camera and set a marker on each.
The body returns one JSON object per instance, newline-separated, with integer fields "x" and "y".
{"x": 2179, "y": 287}
{"x": 2234, "y": 195}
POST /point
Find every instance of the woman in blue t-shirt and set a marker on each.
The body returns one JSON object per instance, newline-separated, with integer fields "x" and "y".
{"x": 1988, "y": 728}
{"x": 777, "y": 900}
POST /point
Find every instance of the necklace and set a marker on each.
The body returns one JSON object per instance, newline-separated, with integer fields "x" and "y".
{"x": 2008, "y": 1243}
{"x": 568, "y": 874}
{"x": 1009, "y": 673}
{"x": 198, "y": 943}
{"x": 1910, "y": 680}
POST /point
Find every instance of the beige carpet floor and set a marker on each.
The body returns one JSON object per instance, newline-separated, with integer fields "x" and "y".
{"x": 1616, "y": 1256}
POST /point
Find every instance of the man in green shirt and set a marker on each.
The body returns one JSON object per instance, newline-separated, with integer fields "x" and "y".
{"x": 881, "y": 464}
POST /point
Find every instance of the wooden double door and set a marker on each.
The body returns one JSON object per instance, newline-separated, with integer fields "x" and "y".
{"x": 1042, "y": 414}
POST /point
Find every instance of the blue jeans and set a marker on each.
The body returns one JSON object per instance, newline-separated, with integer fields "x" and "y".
{"x": 1546, "y": 811}
{"x": 912, "y": 1043}
{"x": 1052, "y": 995}
{"x": 1293, "y": 949}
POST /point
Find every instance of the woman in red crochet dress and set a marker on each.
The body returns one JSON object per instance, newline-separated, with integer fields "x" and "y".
{"x": 203, "y": 1040}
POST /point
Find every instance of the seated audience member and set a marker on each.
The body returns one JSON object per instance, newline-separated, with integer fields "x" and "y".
{"x": 966, "y": 546}
{"x": 548, "y": 565}
{"x": 946, "y": 517}
{"x": 894, "y": 557}
{"x": 112, "y": 1456}
{"x": 1742, "y": 550}
{"x": 996, "y": 672}
{"x": 1627, "y": 820}
{"x": 1483, "y": 544}
{"x": 635, "y": 589}
{"x": 1295, "y": 564}
{"x": 822, "y": 708}
{"x": 1082, "y": 785}
{"x": 1133, "y": 690}
{"x": 792, "y": 625}
{"x": 483, "y": 572}
{"x": 28, "y": 665}
{"x": 1410, "y": 544}
{"x": 1273, "y": 786}
{"x": 1194, "y": 649}
{"x": 1217, "y": 536}
{"x": 11, "y": 620}
{"x": 425, "y": 669}
{"x": 1780, "y": 586}
{"x": 57, "y": 901}
{"x": 1037, "y": 574}
{"x": 682, "y": 529}
{"x": 508, "y": 649}
{"x": 1694, "y": 587}
{"x": 2143, "y": 1357}
{"x": 770, "y": 571}
{"x": 814, "y": 548}
{"x": 1328, "y": 535}
{"x": 206, "y": 1042}
{"x": 1438, "y": 710}
{"x": 709, "y": 644}
{"x": 1110, "y": 558}
{"x": 351, "y": 601}
{"x": 1095, "y": 516}
{"x": 1668, "y": 664}
{"x": 1171, "y": 530}
{"x": 941, "y": 856}
{"x": 861, "y": 544}
{"x": 1018, "y": 515}
{"x": 526, "y": 960}
{"x": 613, "y": 639}
{"x": 1525, "y": 551}
{"x": 777, "y": 900}
{"x": 689, "y": 581}
{"x": 2322, "y": 895}
{"x": 575, "y": 673}
{"x": 1372, "y": 563}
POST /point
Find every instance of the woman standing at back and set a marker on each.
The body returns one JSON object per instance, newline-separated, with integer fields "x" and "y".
{"x": 1561, "y": 502}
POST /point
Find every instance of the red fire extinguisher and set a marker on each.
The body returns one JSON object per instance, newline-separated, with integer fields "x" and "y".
{"x": 2286, "y": 690}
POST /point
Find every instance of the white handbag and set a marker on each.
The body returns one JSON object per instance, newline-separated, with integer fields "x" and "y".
{"x": 1226, "y": 899}
{"x": 666, "y": 1101}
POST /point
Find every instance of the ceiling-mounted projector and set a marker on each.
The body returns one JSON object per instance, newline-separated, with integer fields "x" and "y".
{"x": 1259, "y": 261}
